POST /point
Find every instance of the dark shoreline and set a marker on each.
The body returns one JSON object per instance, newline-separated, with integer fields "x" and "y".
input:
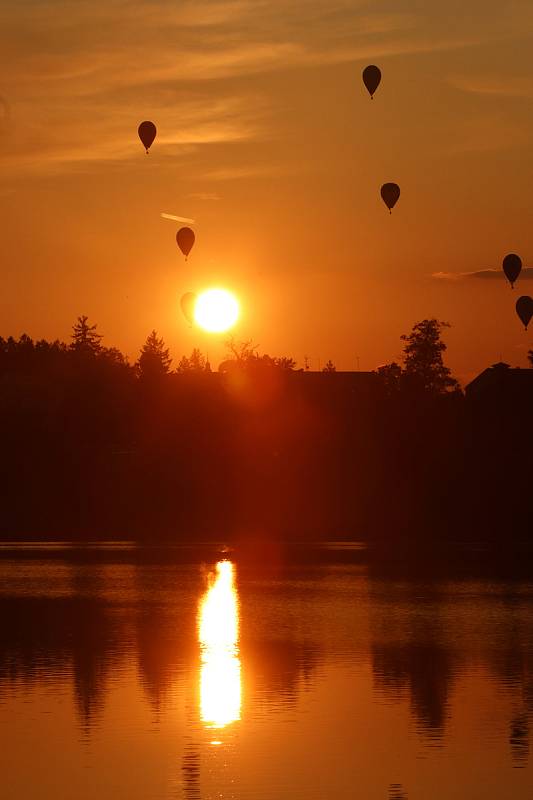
{"x": 411, "y": 561}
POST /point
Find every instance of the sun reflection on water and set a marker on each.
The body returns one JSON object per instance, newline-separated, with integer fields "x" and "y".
{"x": 218, "y": 632}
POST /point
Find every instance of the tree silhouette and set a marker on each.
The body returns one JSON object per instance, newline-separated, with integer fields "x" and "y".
{"x": 154, "y": 361}
{"x": 196, "y": 362}
{"x": 284, "y": 362}
{"x": 330, "y": 366}
{"x": 84, "y": 337}
{"x": 423, "y": 357}
{"x": 25, "y": 355}
{"x": 391, "y": 376}
{"x": 114, "y": 357}
{"x": 244, "y": 354}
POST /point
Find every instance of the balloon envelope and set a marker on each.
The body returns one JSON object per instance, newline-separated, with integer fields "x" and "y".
{"x": 512, "y": 266}
{"x": 185, "y": 239}
{"x": 390, "y": 193}
{"x": 524, "y": 309}
{"x": 188, "y": 302}
{"x": 147, "y": 132}
{"x": 371, "y": 78}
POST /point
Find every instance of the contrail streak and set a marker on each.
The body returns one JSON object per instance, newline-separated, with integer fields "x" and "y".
{"x": 178, "y": 219}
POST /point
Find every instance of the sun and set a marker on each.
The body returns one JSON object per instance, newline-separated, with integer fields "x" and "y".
{"x": 216, "y": 310}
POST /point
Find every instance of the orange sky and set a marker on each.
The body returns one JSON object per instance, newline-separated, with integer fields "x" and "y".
{"x": 268, "y": 139}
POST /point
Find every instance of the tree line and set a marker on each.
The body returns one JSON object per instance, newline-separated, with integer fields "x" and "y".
{"x": 423, "y": 364}
{"x": 96, "y": 447}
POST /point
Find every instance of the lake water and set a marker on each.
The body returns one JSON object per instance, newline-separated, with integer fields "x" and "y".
{"x": 198, "y": 677}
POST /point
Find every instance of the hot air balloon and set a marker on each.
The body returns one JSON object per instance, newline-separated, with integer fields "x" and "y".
{"x": 390, "y": 193}
{"x": 185, "y": 239}
{"x": 187, "y": 303}
{"x": 147, "y": 132}
{"x": 512, "y": 266}
{"x": 371, "y": 79}
{"x": 524, "y": 309}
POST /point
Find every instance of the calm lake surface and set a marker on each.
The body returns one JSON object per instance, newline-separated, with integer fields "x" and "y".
{"x": 195, "y": 676}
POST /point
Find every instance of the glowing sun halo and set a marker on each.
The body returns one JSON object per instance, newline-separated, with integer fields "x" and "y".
{"x": 216, "y": 310}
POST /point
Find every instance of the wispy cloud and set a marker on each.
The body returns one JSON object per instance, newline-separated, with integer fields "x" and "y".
{"x": 482, "y": 274}
{"x": 204, "y": 41}
{"x": 242, "y": 171}
{"x": 70, "y": 134}
{"x": 495, "y": 85}
{"x": 206, "y": 196}
{"x": 82, "y": 75}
